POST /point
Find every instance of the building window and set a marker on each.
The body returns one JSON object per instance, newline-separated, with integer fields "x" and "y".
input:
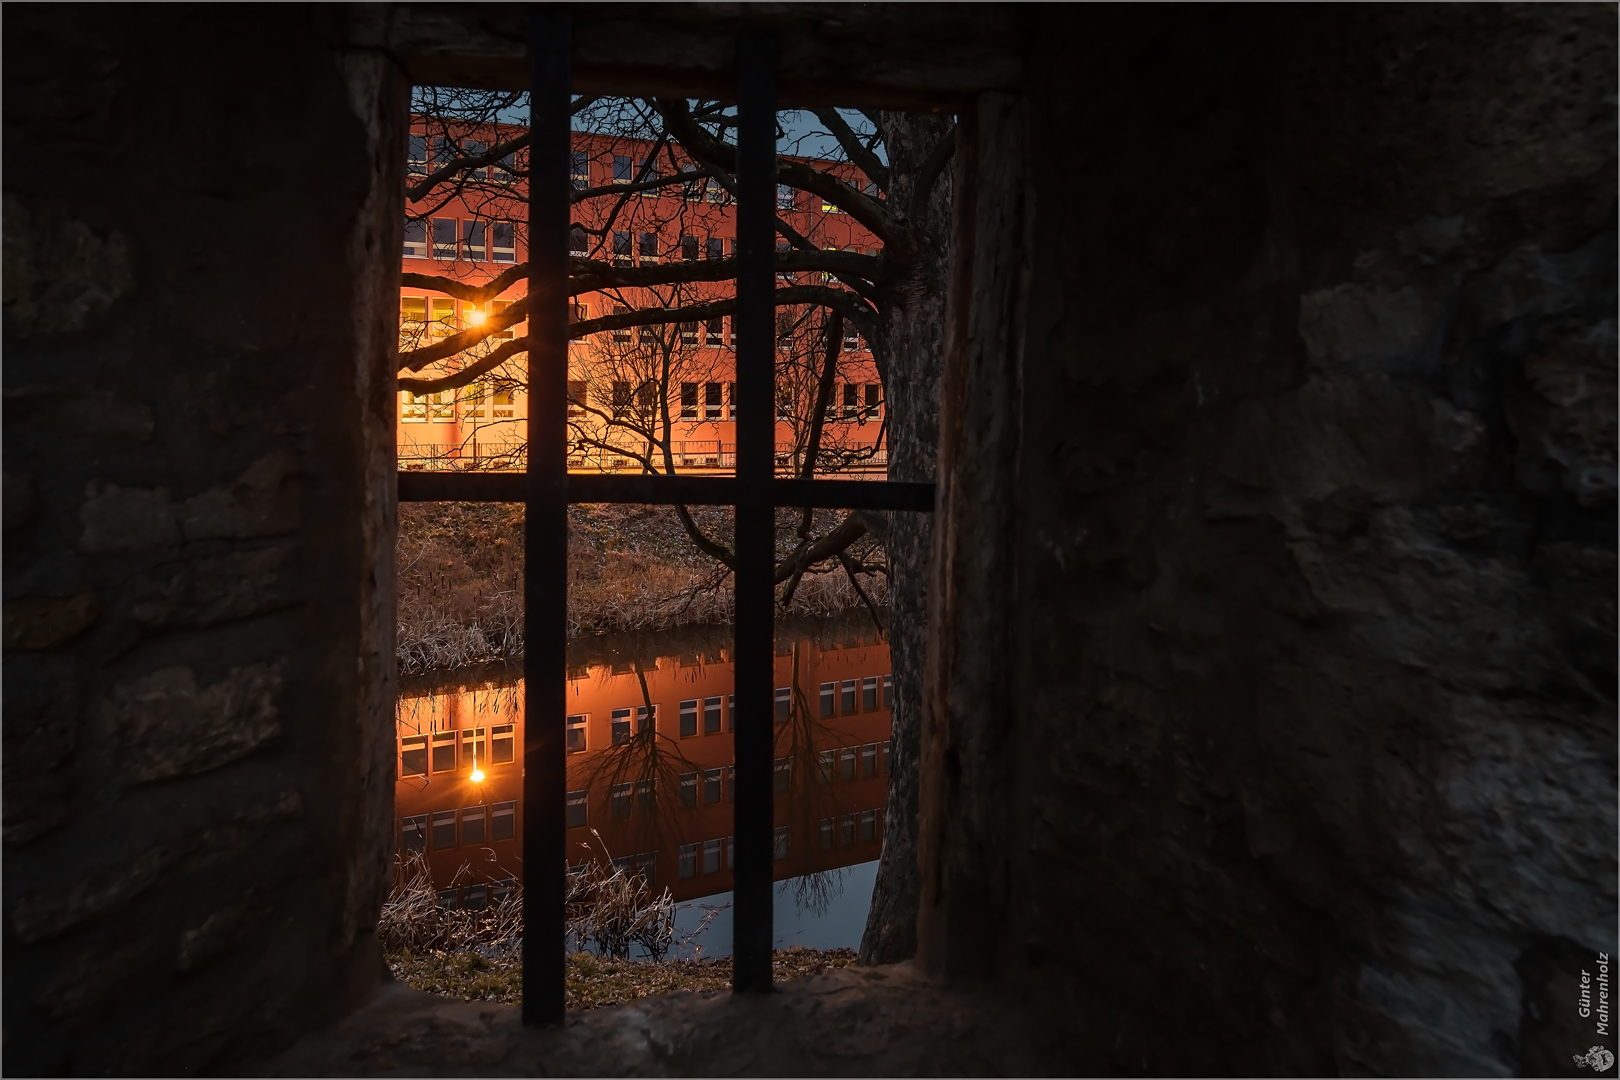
{"x": 619, "y": 801}
{"x": 578, "y": 809}
{"x": 715, "y": 331}
{"x": 474, "y": 148}
{"x": 474, "y": 241}
{"x": 621, "y": 169}
{"x": 717, "y": 192}
{"x": 442, "y": 317}
{"x": 497, "y": 308}
{"x": 852, "y": 337}
{"x": 472, "y": 825}
{"x": 688, "y": 788}
{"x": 687, "y": 865}
{"x": 416, "y": 155}
{"x": 784, "y": 703}
{"x": 579, "y": 170}
{"x": 731, "y": 852}
{"x": 731, "y": 400}
{"x": 621, "y": 248}
{"x": 888, "y": 753}
{"x": 786, "y": 197}
{"x": 846, "y": 830}
{"x": 852, "y": 400}
{"x": 784, "y": 773}
{"x": 689, "y": 248}
{"x": 846, "y": 704}
{"x": 444, "y": 830}
{"x": 502, "y": 242}
{"x": 731, "y": 712}
{"x": 472, "y": 747}
{"x": 504, "y": 402}
{"x": 689, "y": 333}
{"x": 576, "y": 397}
{"x": 444, "y": 751}
{"x": 711, "y": 401}
{"x": 888, "y": 691}
{"x": 689, "y": 400}
{"x": 711, "y": 786}
{"x": 444, "y": 151}
{"x": 444, "y": 238}
{"x": 827, "y": 765}
{"x": 413, "y": 755}
{"x": 621, "y": 726}
{"x": 503, "y": 821}
{"x": 502, "y": 744}
{"x": 647, "y": 795}
{"x": 869, "y": 691}
{"x": 689, "y": 709}
{"x": 869, "y": 759}
{"x": 868, "y": 826}
{"x": 874, "y": 401}
{"x": 414, "y": 836}
{"x": 846, "y": 763}
{"x": 412, "y": 407}
{"x": 692, "y": 190}
{"x": 415, "y": 238}
{"x": 829, "y": 694}
{"x": 826, "y": 834}
{"x": 784, "y": 404}
{"x": 475, "y": 898}
{"x": 714, "y": 249}
{"x": 711, "y": 856}
{"x": 576, "y": 733}
{"x": 501, "y": 171}
{"x": 648, "y": 247}
{"x": 475, "y": 401}
{"x": 578, "y": 242}
{"x": 731, "y": 783}
{"x": 779, "y": 843}
{"x": 711, "y": 716}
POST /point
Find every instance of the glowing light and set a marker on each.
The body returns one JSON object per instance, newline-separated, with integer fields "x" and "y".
{"x": 477, "y": 775}
{"x": 476, "y": 317}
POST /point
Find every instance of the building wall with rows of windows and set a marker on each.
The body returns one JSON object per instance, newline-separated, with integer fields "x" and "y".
{"x": 676, "y": 379}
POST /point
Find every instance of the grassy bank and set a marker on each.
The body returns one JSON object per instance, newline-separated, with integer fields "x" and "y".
{"x": 592, "y": 981}
{"x": 630, "y": 568}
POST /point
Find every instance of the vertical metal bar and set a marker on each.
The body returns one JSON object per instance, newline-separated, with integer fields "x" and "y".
{"x": 545, "y": 552}
{"x": 755, "y": 537}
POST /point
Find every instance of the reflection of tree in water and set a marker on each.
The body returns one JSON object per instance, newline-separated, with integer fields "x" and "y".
{"x": 813, "y": 894}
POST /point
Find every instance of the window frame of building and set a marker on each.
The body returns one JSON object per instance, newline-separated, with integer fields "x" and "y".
{"x": 445, "y": 236}
{"x": 410, "y": 746}
{"x": 503, "y": 820}
{"x": 711, "y": 787}
{"x": 443, "y": 752}
{"x": 689, "y": 718}
{"x": 442, "y": 830}
{"x": 577, "y": 809}
{"x": 575, "y": 732}
{"x": 415, "y": 238}
{"x": 503, "y": 242}
{"x": 502, "y": 744}
{"x": 474, "y": 825}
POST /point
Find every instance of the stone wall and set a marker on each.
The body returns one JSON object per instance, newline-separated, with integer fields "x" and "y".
{"x": 1297, "y": 752}
{"x": 201, "y": 224}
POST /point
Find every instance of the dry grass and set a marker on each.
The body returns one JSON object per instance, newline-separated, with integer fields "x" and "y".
{"x": 477, "y": 955}
{"x": 630, "y": 568}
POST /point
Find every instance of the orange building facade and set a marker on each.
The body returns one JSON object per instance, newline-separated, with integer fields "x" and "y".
{"x": 477, "y": 235}
{"x": 650, "y": 771}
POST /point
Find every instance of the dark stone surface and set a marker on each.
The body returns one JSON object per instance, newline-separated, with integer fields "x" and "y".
{"x": 201, "y": 218}
{"x": 1311, "y": 711}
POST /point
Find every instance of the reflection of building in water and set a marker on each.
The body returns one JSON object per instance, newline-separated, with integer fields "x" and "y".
{"x": 650, "y": 773}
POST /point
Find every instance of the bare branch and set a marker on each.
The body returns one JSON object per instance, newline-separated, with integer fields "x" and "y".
{"x": 469, "y": 374}
{"x": 858, "y": 152}
{"x": 472, "y": 294}
{"x": 929, "y": 172}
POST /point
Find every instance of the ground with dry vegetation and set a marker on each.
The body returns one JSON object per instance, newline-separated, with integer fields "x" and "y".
{"x": 630, "y": 568}
{"x": 593, "y": 981}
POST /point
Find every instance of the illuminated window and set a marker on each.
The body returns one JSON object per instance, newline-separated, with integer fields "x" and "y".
{"x": 503, "y": 402}
{"x": 415, "y": 238}
{"x": 444, "y": 238}
{"x": 442, "y": 317}
{"x": 497, "y": 308}
{"x": 475, "y": 401}
{"x": 473, "y": 748}
{"x": 412, "y": 407}
{"x": 474, "y": 241}
{"x": 444, "y": 751}
{"x": 577, "y": 809}
{"x": 503, "y": 821}
{"x": 444, "y": 829}
{"x": 472, "y": 825}
{"x": 413, "y": 755}
{"x": 502, "y": 242}
{"x": 502, "y": 744}
{"x": 414, "y": 833}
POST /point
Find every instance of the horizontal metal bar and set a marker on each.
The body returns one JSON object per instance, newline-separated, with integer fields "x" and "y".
{"x": 692, "y": 490}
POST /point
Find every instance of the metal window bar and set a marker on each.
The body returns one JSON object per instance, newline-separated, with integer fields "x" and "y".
{"x": 546, "y": 488}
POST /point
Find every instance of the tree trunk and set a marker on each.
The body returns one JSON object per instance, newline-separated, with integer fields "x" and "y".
{"x": 909, "y": 359}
